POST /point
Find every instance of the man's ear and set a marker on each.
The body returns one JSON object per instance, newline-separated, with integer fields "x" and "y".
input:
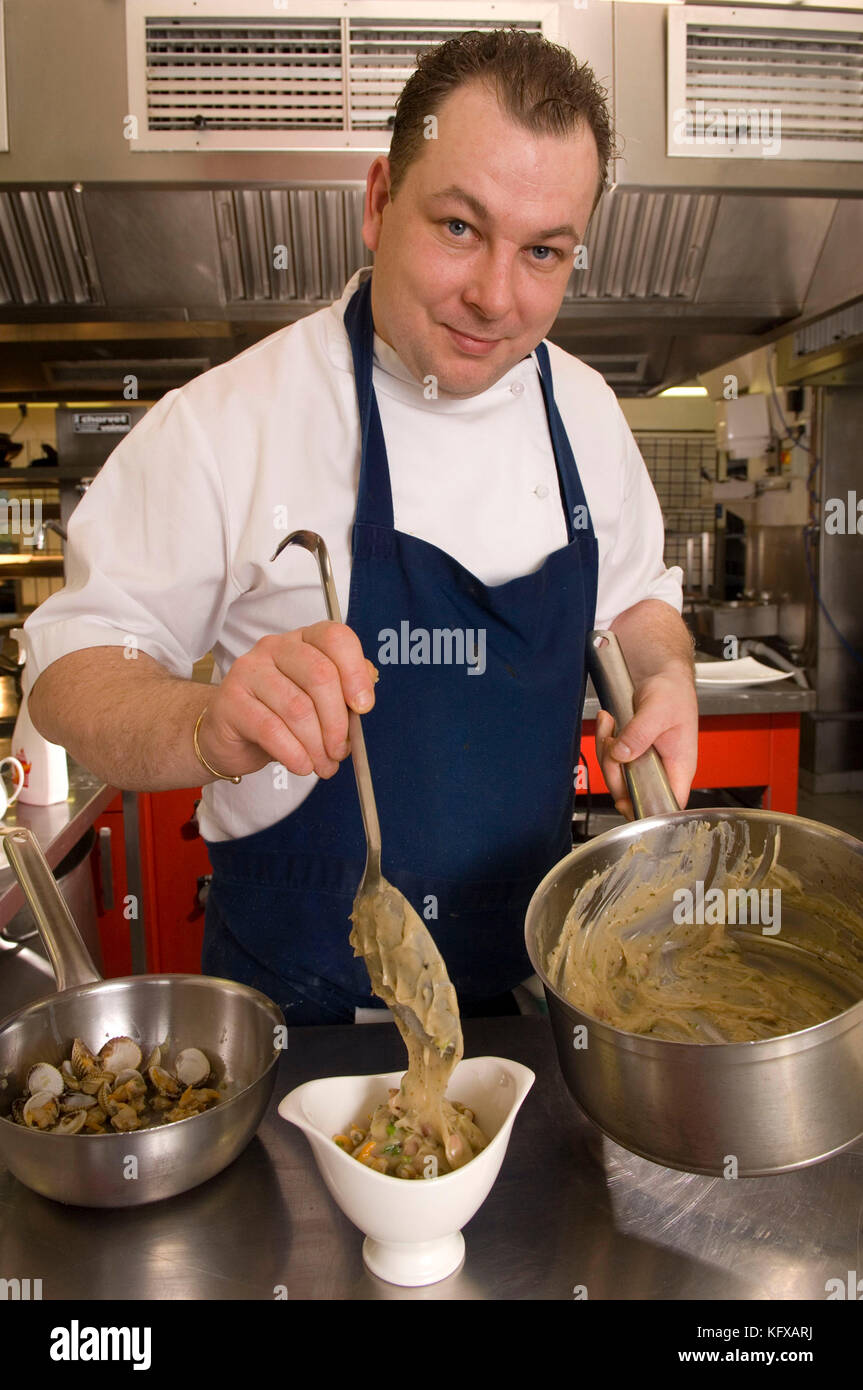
{"x": 377, "y": 197}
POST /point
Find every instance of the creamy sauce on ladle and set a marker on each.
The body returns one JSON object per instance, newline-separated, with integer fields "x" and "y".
{"x": 412, "y": 981}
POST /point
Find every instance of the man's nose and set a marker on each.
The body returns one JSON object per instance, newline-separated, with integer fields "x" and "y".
{"x": 489, "y": 289}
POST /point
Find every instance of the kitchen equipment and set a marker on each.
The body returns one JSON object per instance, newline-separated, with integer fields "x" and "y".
{"x": 729, "y": 1109}
{"x": 738, "y": 618}
{"x": 47, "y": 773}
{"x": 736, "y": 675}
{"x": 9, "y": 450}
{"x": 403, "y": 933}
{"x": 6, "y": 800}
{"x": 238, "y": 1028}
{"x": 30, "y": 566}
{"x": 11, "y": 673}
{"x": 413, "y": 1228}
{"x": 26, "y": 973}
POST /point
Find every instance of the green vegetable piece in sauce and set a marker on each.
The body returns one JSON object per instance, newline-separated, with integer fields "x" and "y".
{"x": 392, "y": 1148}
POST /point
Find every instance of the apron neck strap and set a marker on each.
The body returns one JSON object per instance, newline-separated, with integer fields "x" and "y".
{"x": 573, "y": 500}
{"x": 374, "y": 492}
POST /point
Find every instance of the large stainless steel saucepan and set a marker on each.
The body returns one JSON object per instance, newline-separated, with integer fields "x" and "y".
{"x": 721, "y": 1108}
{"x": 234, "y": 1025}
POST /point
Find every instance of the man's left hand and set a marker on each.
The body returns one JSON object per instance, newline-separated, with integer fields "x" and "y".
{"x": 666, "y": 718}
{"x": 658, "y": 650}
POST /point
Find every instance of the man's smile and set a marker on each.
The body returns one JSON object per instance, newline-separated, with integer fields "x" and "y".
{"x": 477, "y": 347}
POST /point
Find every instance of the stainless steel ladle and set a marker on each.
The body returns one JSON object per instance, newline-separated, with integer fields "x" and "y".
{"x": 405, "y": 966}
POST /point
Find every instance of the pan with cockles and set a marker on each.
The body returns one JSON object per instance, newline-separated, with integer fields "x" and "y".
{"x": 238, "y": 1029}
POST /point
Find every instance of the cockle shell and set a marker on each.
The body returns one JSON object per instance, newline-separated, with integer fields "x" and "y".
{"x": 120, "y": 1054}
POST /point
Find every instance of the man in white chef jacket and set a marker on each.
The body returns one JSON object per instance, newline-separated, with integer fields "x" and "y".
{"x": 473, "y": 233}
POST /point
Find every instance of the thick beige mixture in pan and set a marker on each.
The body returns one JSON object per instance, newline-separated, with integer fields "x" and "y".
{"x": 623, "y": 958}
{"x": 417, "y": 1123}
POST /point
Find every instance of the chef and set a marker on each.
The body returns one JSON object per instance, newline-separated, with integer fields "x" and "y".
{"x": 485, "y": 506}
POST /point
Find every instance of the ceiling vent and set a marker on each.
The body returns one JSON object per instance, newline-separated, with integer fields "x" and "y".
{"x": 827, "y": 332}
{"x": 152, "y": 375}
{"x": 301, "y": 245}
{"x": 244, "y": 75}
{"x": 645, "y": 246}
{"x": 617, "y": 370}
{"x": 46, "y": 256}
{"x": 289, "y": 245}
{"x": 753, "y": 84}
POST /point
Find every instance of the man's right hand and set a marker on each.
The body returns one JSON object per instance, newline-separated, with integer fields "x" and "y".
{"x": 287, "y": 700}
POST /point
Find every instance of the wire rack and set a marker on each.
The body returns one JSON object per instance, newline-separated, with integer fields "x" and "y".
{"x": 682, "y": 467}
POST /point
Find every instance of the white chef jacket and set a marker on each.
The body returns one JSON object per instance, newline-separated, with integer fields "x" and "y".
{"x": 170, "y": 547}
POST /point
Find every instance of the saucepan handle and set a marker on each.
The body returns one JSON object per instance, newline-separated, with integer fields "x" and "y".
{"x": 68, "y": 954}
{"x": 646, "y": 778}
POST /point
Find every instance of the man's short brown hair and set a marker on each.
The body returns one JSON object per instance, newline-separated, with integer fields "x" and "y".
{"x": 540, "y": 85}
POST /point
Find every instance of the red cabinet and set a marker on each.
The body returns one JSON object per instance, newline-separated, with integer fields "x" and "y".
{"x": 747, "y": 750}
{"x": 173, "y": 862}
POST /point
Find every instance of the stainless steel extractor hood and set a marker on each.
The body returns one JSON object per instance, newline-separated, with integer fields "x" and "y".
{"x": 159, "y": 153}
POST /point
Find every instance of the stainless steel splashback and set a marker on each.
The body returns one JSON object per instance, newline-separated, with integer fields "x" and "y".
{"x": 832, "y": 736}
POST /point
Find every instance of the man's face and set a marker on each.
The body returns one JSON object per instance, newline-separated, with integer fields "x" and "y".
{"x": 493, "y": 265}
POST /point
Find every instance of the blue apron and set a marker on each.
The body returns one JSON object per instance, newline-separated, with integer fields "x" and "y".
{"x": 473, "y": 771}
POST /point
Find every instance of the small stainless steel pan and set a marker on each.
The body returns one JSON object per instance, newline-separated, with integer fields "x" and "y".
{"x": 723, "y": 1108}
{"x": 234, "y": 1025}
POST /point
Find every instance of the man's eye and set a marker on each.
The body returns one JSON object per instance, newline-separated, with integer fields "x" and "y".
{"x": 457, "y": 227}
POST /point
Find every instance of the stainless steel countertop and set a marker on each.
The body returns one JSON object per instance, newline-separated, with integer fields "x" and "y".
{"x": 773, "y": 698}
{"x": 58, "y": 828}
{"x": 569, "y": 1208}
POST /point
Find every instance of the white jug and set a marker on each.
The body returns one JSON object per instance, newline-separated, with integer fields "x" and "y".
{"x": 5, "y": 799}
{"x": 46, "y": 774}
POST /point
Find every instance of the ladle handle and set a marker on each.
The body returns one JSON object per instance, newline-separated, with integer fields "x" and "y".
{"x": 69, "y": 956}
{"x": 311, "y": 541}
{"x": 646, "y": 778}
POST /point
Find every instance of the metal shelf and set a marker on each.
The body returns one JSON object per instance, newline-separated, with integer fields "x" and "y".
{"x": 46, "y": 475}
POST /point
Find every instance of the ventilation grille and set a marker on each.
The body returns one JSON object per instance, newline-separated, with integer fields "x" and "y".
{"x": 151, "y": 374}
{"x": 645, "y": 246}
{"x": 750, "y": 84}
{"x": 281, "y": 75}
{"x": 301, "y": 246}
{"x": 46, "y": 257}
{"x": 628, "y": 369}
{"x": 282, "y": 245}
{"x": 827, "y": 332}
{"x": 617, "y": 370}
{"x": 203, "y": 81}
